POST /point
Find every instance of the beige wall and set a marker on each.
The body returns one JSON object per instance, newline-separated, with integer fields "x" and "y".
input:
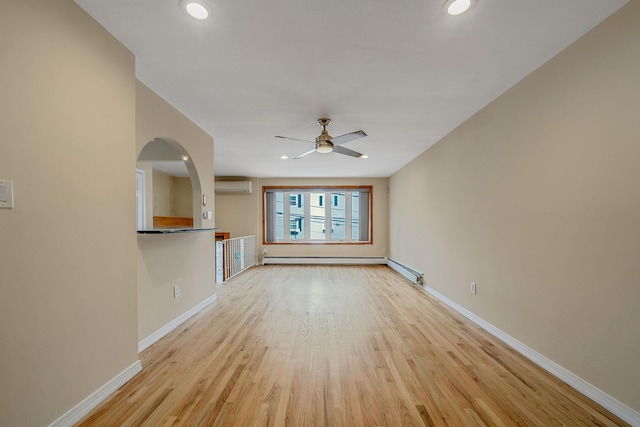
{"x": 181, "y": 197}
{"x": 537, "y": 199}
{"x": 187, "y": 260}
{"x": 239, "y": 214}
{"x": 172, "y": 195}
{"x": 161, "y": 194}
{"x": 242, "y": 215}
{"x": 68, "y": 249}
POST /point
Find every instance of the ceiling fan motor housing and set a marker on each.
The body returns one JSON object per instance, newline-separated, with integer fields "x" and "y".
{"x": 323, "y": 141}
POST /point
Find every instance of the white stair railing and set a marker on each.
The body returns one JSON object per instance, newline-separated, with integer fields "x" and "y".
{"x": 233, "y": 256}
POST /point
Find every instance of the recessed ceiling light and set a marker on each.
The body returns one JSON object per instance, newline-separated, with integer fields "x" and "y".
{"x": 284, "y": 157}
{"x": 364, "y": 156}
{"x": 457, "y": 7}
{"x": 197, "y": 9}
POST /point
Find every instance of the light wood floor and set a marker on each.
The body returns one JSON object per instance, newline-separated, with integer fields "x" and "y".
{"x": 338, "y": 346}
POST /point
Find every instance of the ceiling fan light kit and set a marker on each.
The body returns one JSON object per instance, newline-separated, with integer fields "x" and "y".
{"x": 325, "y": 148}
{"x": 325, "y": 143}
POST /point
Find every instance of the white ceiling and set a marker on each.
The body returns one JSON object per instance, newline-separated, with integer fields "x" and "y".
{"x": 402, "y": 71}
{"x": 172, "y": 168}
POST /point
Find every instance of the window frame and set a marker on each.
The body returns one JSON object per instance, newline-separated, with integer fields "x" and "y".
{"x": 317, "y": 189}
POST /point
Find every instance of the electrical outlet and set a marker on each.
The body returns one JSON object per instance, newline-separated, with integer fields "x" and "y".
{"x": 473, "y": 287}
{"x": 176, "y": 291}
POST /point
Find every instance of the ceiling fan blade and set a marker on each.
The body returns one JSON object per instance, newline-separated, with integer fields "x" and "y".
{"x": 341, "y": 150}
{"x": 304, "y": 154}
{"x": 293, "y": 139}
{"x": 339, "y": 140}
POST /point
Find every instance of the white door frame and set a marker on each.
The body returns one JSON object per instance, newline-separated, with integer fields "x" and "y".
{"x": 141, "y": 215}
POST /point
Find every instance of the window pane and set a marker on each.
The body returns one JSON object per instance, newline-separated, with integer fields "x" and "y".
{"x": 355, "y": 215}
{"x": 279, "y": 220}
{"x": 296, "y": 216}
{"x": 317, "y": 217}
{"x": 338, "y": 216}
{"x": 363, "y": 224}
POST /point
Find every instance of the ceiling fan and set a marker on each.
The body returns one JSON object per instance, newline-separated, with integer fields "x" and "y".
{"x": 325, "y": 143}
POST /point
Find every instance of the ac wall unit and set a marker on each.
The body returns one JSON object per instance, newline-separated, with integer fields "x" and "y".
{"x": 238, "y": 187}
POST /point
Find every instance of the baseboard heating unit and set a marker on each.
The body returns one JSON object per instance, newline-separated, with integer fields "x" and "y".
{"x": 324, "y": 260}
{"x": 415, "y": 276}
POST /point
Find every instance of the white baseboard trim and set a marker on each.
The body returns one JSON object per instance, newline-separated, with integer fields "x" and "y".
{"x": 97, "y": 397}
{"x": 312, "y": 260}
{"x": 618, "y": 408}
{"x": 151, "y": 339}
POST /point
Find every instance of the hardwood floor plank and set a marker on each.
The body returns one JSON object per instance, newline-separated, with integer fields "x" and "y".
{"x": 338, "y": 346}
